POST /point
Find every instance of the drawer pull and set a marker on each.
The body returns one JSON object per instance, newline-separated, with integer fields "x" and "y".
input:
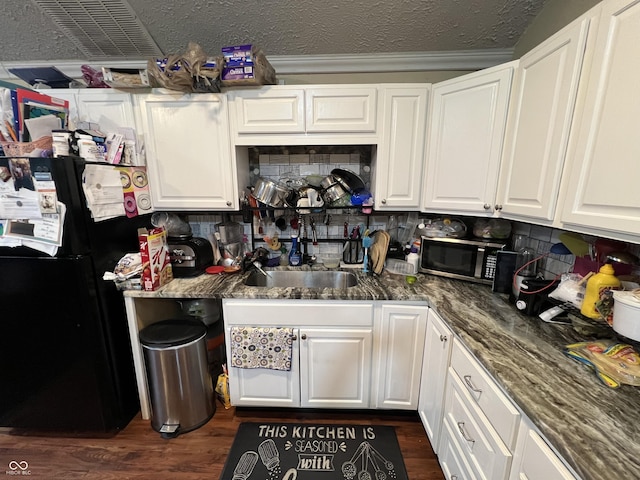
{"x": 443, "y": 338}
{"x": 294, "y": 338}
{"x": 472, "y": 387}
{"x": 304, "y": 336}
{"x": 464, "y": 433}
{"x": 454, "y": 477}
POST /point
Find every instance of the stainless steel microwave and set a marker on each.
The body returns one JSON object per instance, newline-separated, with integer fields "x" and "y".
{"x": 474, "y": 260}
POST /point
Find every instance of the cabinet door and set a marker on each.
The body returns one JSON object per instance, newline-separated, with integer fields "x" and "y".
{"x": 603, "y": 183}
{"x": 189, "y": 160}
{"x": 534, "y": 459}
{"x": 109, "y": 109}
{"x": 437, "y": 352}
{"x": 400, "y": 356}
{"x": 341, "y": 109}
{"x": 400, "y": 153}
{"x": 264, "y": 387}
{"x": 466, "y": 131}
{"x": 540, "y": 115}
{"x": 268, "y": 110}
{"x": 335, "y": 366}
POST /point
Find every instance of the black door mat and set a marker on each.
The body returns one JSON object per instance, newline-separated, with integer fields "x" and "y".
{"x": 301, "y": 451}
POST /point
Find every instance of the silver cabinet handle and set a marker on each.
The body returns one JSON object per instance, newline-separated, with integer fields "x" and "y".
{"x": 294, "y": 338}
{"x": 229, "y": 204}
{"x": 487, "y": 206}
{"x": 383, "y": 201}
{"x": 443, "y": 338}
{"x": 303, "y": 336}
{"x": 467, "y": 380}
{"x": 454, "y": 477}
{"x": 498, "y": 207}
{"x": 464, "y": 433}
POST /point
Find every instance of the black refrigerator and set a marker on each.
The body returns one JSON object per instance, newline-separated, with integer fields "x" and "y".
{"x": 65, "y": 356}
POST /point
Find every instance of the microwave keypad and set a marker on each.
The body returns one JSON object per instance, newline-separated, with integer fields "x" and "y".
{"x": 490, "y": 267}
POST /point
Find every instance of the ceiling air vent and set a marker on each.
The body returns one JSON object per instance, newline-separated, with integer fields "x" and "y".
{"x": 101, "y": 28}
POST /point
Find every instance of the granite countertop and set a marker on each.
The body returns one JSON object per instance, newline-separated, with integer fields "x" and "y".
{"x": 593, "y": 427}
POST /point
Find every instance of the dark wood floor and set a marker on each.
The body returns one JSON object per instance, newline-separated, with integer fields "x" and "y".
{"x": 138, "y": 452}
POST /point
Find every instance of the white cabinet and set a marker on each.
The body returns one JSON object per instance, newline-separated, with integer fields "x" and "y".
{"x": 602, "y": 190}
{"x": 466, "y": 131}
{"x": 189, "y": 160}
{"x": 534, "y": 459}
{"x": 267, "y": 110}
{"x": 482, "y": 419}
{"x": 540, "y": 114}
{"x": 110, "y": 109}
{"x": 437, "y": 352}
{"x": 401, "y": 149}
{"x": 335, "y": 366}
{"x": 331, "y": 355}
{"x": 313, "y": 114}
{"x": 400, "y": 341}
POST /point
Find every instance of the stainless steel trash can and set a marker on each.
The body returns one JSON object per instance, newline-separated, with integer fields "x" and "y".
{"x": 180, "y": 386}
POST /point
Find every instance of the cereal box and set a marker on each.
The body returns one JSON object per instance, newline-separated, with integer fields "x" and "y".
{"x": 155, "y": 256}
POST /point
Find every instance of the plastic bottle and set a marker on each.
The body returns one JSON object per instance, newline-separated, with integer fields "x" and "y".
{"x": 284, "y": 258}
{"x": 413, "y": 259}
{"x": 597, "y": 286}
{"x": 295, "y": 255}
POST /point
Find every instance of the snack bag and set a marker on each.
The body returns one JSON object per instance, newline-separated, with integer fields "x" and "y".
{"x": 614, "y": 363}
{"x": 222, "y": 388}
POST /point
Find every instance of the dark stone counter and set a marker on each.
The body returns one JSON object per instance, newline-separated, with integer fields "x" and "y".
{"x": 596, "y": 429}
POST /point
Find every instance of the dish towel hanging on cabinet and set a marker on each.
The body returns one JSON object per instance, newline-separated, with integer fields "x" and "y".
{"x": 261, "y": 347}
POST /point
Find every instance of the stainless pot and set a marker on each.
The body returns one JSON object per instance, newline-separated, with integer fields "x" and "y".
{"x": 269, "y": 192}
{"x": 334, "y": 192}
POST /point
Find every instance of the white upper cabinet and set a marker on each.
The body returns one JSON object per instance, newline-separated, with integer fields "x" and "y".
{"x": 466, "y": 131}
{"x": 308, "y": 115}
{"x": 273, "y": 110}
{"x": 110, "y": 109}
{"x": 540, "y": 114}
{"x": 189, "y": 159}
{"x": 603, "y": 185}
{"x": 400, "y": 152}
{"x": 341, "y": 109}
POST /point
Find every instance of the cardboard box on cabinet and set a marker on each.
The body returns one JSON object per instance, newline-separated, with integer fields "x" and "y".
{"x": 156, "y": 258}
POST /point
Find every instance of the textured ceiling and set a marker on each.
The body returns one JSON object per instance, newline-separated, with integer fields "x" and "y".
{"x": 288, "y": 27}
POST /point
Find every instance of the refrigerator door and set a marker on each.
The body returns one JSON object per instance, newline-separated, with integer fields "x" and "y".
{"x": 65, "y": 364}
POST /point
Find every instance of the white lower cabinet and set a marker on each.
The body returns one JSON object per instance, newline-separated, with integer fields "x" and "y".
{"x": 331, "y": 354}
{"x": 437, "y": 351}
{"x": 480, "y": 445}
{"x": 534, "y": 459}
{"x": 398, "y": 355}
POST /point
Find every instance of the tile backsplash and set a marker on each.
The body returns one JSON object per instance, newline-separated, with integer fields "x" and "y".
{"x": 277, "y": 162}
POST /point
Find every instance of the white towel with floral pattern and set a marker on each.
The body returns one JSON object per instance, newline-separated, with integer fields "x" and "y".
{"x": 261, "y": 347}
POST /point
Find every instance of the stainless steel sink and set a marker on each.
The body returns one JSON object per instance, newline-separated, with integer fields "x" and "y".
{"x": 302, "y": 279}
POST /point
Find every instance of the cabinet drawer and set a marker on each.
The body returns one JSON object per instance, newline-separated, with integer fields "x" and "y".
{"x": 501, "y": 413}
{"x": 479, "y": 442}
{"x": 538, "y": 460}
{"x": 297, "y": 312}
{"x": 453, "y": 462}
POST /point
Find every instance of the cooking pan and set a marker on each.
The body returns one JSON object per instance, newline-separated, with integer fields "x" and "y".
{"x": 269, "y": 192}
{"x": 349, "y": 180}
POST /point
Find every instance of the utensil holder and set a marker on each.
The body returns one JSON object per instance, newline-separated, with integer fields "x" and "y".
{"x": 353, "y": 252}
